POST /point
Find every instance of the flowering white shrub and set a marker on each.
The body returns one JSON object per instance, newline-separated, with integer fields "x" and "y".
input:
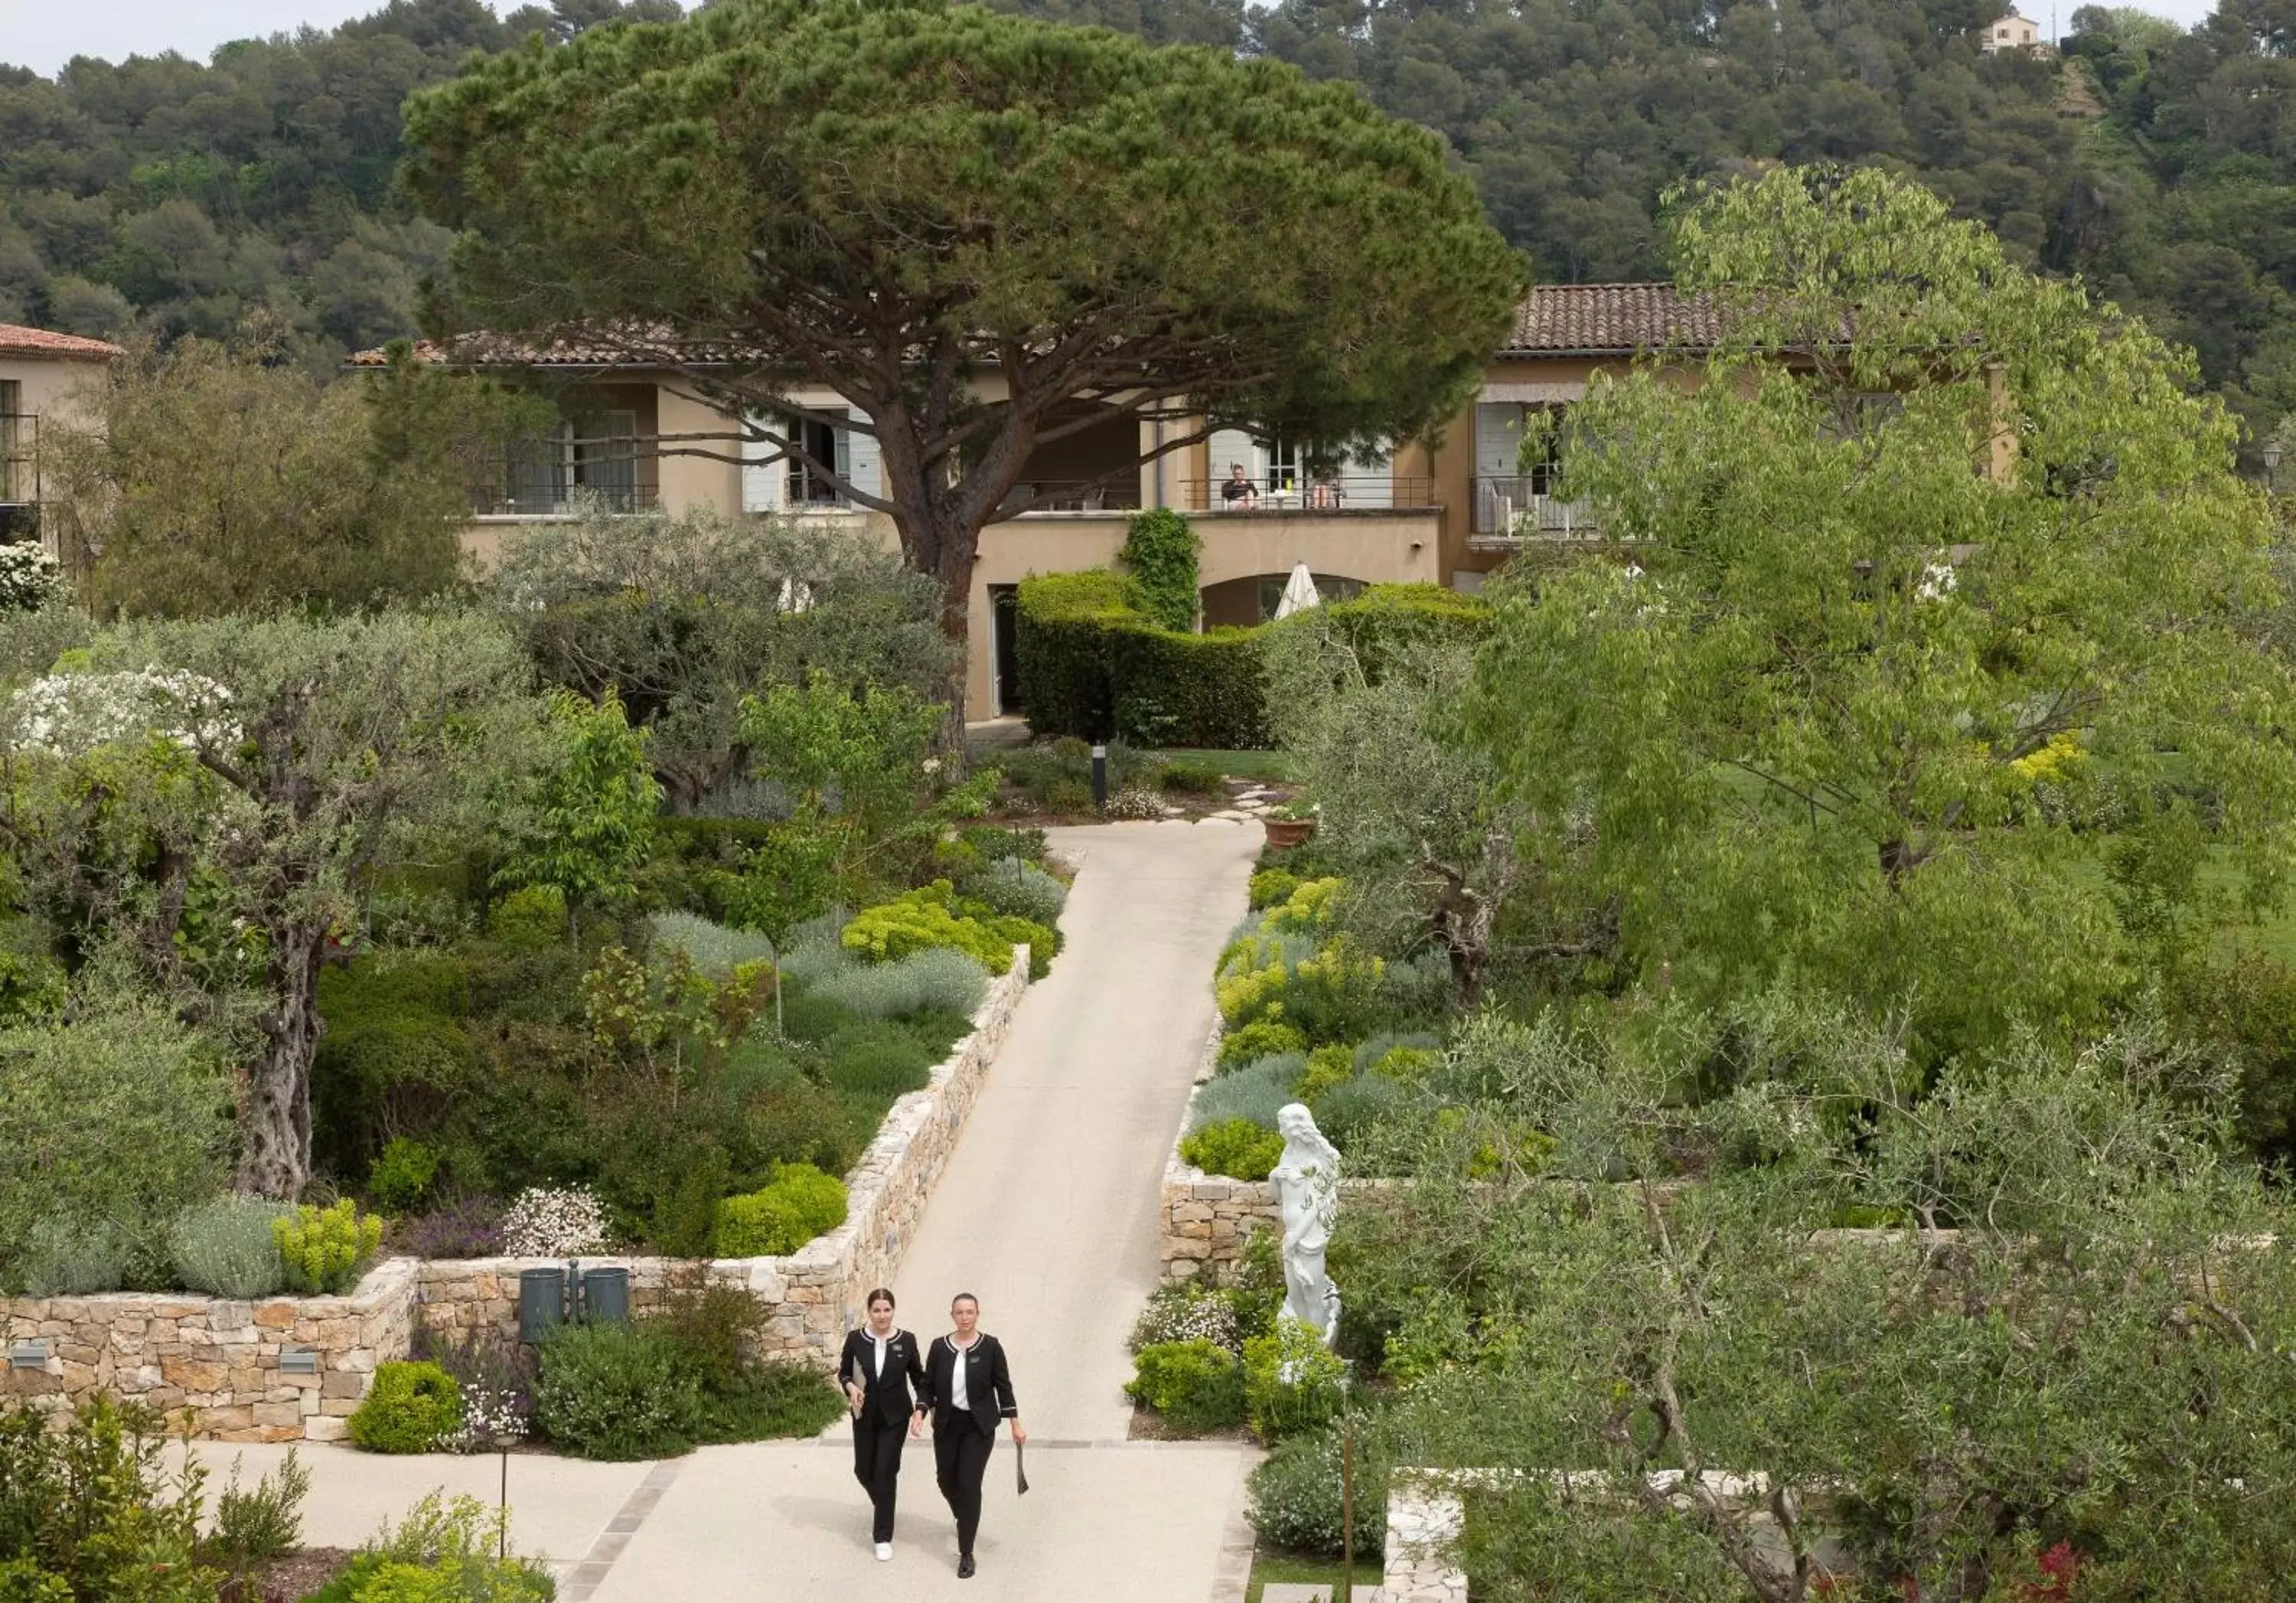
{"x": 1136, "y": 803}
{"x": 1187, "y": 1313}
{"x": 493, "y": 1417}
{"x": 29, "y": 579}
{"x": 72, "y": 713}
{"x": 555, "y": 1221}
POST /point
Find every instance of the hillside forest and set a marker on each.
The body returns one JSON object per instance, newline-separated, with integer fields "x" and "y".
{"x": 167, "y": 197}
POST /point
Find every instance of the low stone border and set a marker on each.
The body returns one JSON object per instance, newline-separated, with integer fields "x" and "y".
{"x": 221, "y": 1359}
{"x": 217, "y": 1357}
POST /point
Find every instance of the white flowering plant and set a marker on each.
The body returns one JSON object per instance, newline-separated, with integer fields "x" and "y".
{"x": 1188, "y": 1312}
{"x": 555, "y": 1221}
{"x": 72, "y": 712}
{"x": 29, "y": 579}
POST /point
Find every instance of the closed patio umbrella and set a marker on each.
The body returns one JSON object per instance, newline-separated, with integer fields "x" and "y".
{"x": 1299, "y": 593}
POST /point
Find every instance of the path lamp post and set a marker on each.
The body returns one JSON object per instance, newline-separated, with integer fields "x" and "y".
{"x": 1099, "y": 778}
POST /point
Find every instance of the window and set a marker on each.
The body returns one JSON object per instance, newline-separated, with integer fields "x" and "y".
{"x": 595, "y": 454}
{"x": 824, "y": 443}
{"x": 12, "y": 433}
{"x": 603, "y": 459}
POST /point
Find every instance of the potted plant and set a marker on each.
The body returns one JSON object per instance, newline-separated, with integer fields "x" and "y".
{"x": 1291, "y": 823}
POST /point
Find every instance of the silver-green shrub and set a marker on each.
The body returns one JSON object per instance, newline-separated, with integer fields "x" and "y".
{"x": 74, "y": 1258}
{"x": 935, "y": 979}
{"x": 716, "y": 949}
{"x": 1019, "y": 888}
{"x": 226, "y": 1247}
{"x": 124, "y": 1115}
{"x": 812, "y": 955}
{"x": 1254, "y": 1092}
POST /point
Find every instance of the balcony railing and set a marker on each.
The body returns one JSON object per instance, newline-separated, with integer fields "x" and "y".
{"x": 1517, "y": 506}
{"x": 1292, "y": 492}
{"x": 1071, "y": 495}
{"x": 554, "y": 477}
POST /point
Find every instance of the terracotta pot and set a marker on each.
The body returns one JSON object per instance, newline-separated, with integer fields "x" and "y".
{"x": 1288, "y": 831}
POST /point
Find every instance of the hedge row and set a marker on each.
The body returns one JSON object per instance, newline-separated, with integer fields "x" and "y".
{"x": 1091, "y": 664}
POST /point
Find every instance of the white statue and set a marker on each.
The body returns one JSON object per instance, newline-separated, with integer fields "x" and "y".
{"x": 1307, "y": 1181}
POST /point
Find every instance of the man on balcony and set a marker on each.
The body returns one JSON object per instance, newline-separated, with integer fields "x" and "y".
{"x": 1239, "y": 492}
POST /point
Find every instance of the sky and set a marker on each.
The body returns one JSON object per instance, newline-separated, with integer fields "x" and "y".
{"x": 45, "y": 34}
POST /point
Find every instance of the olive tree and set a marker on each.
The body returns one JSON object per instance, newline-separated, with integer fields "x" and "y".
{"x": 296, "y": 755}
{"x": 1922, "y": 666}
{"x": 984, "y": 233}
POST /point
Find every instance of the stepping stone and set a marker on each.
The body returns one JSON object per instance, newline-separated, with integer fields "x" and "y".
{"x": 1233, "y": 815}
{"x": 1216, "y": 822}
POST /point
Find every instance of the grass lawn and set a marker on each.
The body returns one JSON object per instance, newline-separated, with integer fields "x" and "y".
{"x": 1275, "y": 766}
{"x": 1267, "y": 1566}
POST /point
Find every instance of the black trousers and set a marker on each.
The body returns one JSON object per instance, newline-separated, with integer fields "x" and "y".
{"x": 877, "y": 1466}
{"x": 959, "y": 1460}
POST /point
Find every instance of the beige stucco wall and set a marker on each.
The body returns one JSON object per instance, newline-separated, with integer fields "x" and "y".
{"x": 54, "y": 391}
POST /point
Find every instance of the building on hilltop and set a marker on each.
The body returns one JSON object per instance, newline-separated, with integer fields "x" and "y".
{"x": 2011, "y": 32}
{"x": 44, "y": 379}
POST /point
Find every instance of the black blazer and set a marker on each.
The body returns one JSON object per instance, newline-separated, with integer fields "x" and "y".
{"x": 988, "y": 1382}
{"x": 885, "y": 1398}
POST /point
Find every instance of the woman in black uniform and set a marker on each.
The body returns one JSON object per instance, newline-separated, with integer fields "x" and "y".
{"x": 878, "y": 1369}
{"x": 971, "y": 1388}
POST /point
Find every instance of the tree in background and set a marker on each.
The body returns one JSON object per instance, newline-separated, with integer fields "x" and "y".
{"x": 1053, "y": 229}
{"x": 1850, "y": 710}
{"x": 683, "y": 617}
{"x": 590, "y": 812}
{"x": 211, "y": 482}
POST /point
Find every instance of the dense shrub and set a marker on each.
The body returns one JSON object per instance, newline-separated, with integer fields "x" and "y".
{"x": 716, "y": 1331}
{"x": 1291, "y": 1382}
{"x": 1237, "y": 1148}
{"x": 1197, "y": 1386}
{"x": 995, "y": 843}
{"x": 74, "y": 1258}
{"x": 1018, "y": 889}
{"x": 880, "y": 1061}
{"x": 1296, "y": 1496}
{"x": 1093, "y": 665}
{"x": 1254, "y": 1092}
{"x": 934, "y": 917}
{"x": 1186, "y": 1311}
{"x": 554, "y": 1221}
{"x": 440, "y": 1552}
{"x": 616, "y": 1391}
{"x": 402, "y": 1175}
{"x": 123, "y": 1116}
{"x": 254, "y": 1524}
{"x": 1347, "y": 1113}
{"x": 1261, "y": 1038}
{"x": 397, "y": 1058}
{"x": 324, "y": 1249}
{"x": 409, "y": 1408}
{"x": 1159, "y": 549}
{"x": 228, "y": 1247}
{"x": 531, "y": 918}
{"x": 716, "y": 951}
{"x": 1327, "y": 1066}
{"x": 496, "y": 1376}
{"x": 936, "y": 980}
{"x": 1136, "y": 803}
{"x": 1271, "y": 887}
{"x": 1191, "y": 779}
{"x": 469, "y": 1227}
{"x": 88, "y": 1511}
{"x": 798, "y": 1204}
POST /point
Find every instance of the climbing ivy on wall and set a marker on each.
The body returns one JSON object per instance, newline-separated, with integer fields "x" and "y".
{"x": 1160, "y": 548}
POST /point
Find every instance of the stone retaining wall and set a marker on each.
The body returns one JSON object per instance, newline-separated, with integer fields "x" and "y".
{"x": 217, "y": 1357}
{"x": 815, "y": 1291}
{"x": 220, "y": 1359}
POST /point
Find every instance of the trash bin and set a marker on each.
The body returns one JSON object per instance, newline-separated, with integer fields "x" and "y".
{"x": 541, "y": 1303}
{"x": 606, "y": 1294}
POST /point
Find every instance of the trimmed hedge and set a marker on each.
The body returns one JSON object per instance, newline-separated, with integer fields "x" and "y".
{"x": 1094, "y": 664}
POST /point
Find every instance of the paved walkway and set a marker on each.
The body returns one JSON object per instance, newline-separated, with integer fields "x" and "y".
{"x": 1047, "y": 1213}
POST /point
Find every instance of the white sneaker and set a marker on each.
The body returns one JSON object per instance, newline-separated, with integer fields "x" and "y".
{"x": 884, "y": 1551}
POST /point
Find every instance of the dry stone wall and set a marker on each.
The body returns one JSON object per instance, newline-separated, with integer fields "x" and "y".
{"x": 221, "y": 1359}
{"x": 217, "y": 1357}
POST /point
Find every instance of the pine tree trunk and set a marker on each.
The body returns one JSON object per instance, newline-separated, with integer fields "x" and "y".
{"x": 276, "y": 1161}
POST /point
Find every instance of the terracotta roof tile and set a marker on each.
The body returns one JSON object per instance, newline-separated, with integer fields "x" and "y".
{"x": 1580, "y": 320}
{"x": 1605, "y": 319}
{"x": 17, "y": 340}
